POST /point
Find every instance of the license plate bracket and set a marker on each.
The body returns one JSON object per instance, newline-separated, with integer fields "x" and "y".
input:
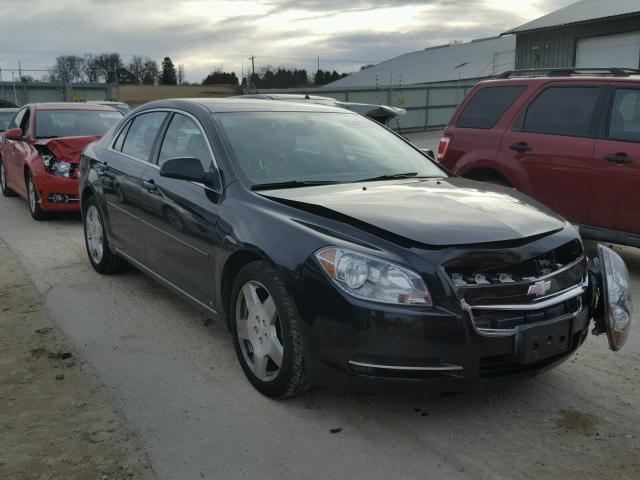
{"x": 538, "y": 342}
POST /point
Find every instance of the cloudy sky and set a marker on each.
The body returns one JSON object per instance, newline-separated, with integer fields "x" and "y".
{"x": 207, "y": 34}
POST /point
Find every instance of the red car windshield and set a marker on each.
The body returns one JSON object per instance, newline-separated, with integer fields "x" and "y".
{"x": 74, "y": 123}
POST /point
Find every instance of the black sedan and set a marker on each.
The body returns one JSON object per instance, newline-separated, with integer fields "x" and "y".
{"x": 338, "y": 253}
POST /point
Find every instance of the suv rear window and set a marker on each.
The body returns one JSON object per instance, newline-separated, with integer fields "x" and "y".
{"x": 488, "y": 105}
{"x": 561, "y": 111}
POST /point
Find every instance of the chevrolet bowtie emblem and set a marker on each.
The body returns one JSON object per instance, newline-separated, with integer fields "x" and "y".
{"x": 539, "y": 288}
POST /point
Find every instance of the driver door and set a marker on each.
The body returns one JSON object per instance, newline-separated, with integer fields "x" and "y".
{"x": 180, "y": 217}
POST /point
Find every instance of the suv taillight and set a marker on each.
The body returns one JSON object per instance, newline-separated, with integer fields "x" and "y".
{"x": 443, "y": 147}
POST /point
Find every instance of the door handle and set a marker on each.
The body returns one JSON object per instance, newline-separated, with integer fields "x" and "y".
{"x": 619, "y": 158}
{"x": 150, "y": 185}
{"x": 520, "y": 147}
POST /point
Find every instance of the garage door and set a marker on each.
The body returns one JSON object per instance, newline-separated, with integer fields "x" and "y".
{"x": 621, "y": 50}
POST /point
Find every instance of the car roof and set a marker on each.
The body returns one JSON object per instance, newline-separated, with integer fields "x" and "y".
{"x": 9, "y": 109}
{"x": 105, "y": 102}
{"x": 70, "y": 106}
{"x": 286, "y": 96}
{"x": 228, "y": 105}
{"x": 567, "y": 78}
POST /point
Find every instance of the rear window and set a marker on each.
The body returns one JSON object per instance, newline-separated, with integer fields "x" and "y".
{"x": 74, "y": 123}
{"x": 488, "y": 105}
{"x": 562, "y": 111}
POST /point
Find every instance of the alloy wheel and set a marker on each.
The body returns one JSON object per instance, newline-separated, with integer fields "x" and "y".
{"x": 94, "y": 234}
{"x": 259, "y": 331}
{"x": 32, "y": 195}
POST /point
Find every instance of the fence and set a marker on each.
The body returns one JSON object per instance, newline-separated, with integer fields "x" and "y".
{"x": 428, "y": 107}
{"x": 21, "y": 93}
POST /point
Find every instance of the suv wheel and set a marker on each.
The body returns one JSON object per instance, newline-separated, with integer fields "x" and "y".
{"x": 33, "y": 200}
{"x": 267, "y": 333}
{"x": 102, "y": 259}
{"x": 6, "y": 191}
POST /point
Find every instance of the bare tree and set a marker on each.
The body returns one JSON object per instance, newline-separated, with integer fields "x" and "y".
{"x": 180, "y": 74}
{"x": 90, "y": 68}
{"x": 151, "y": 72}
{"x": 67, "y": 69}
{"x": 136, "y": 68}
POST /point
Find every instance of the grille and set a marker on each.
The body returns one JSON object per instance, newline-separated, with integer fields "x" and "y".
{"x": 486, "y": 271}
{"x": 510, "y": 319}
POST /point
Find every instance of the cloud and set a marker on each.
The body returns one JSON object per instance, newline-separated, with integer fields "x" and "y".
{"x": 205, "y": 34}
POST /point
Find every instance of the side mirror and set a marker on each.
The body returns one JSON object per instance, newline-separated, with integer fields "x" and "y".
{"x": 429, "y": 153}
{"x": 190, "y": 169}
{"x": 14, "y": 134}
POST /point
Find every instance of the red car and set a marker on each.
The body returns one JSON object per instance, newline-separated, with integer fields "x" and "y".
{"x": 40, "y": 153}
{"x": 568, "y": 138}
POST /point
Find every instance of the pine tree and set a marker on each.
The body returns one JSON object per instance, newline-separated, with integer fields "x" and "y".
{"x": 168, "y": 75}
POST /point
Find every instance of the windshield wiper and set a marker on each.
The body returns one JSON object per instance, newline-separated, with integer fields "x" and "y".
{"x": 389, "y": 177}
{"x": 292, "y": 184}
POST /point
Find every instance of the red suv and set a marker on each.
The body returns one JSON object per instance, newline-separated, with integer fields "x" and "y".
{"x": 568, "y": 138}
{"x": 40, "y": 152}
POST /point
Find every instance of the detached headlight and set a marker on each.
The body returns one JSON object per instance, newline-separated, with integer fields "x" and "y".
{"x": 372, "y": 278}
{"x": 56, "y": 166}
{"x": 618, "y": 306}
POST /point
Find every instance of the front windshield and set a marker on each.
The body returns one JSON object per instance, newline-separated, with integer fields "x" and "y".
{"x": 276, "y": 147}
{"x": 74, "y": 123}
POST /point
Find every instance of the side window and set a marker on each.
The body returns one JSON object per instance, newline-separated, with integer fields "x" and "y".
{"x": 24, "y": 123}
{"x": 185, "y": 139}
{"x": 488, "y": 105}
{"x": 562, "y": 111}
{"x": 143, "y": 130}
{"x": 17, "y": 120}
{"x": 624, "y": 121}
{"x": 117, "y": 145}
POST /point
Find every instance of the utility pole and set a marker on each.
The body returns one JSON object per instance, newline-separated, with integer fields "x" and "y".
{"x": 19, "y": 71}
{"x": 15, "y": 95}
{"x": 318, "y": 63}
{"x": 253, "y": 70}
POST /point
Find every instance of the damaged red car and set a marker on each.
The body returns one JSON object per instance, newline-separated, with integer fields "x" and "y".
{"x": 40, "y": 153}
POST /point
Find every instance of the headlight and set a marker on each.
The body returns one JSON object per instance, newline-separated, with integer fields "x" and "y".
{"x": 56, "y": 166}
{"x": 618, "y": 306}
{"x": 372, "y": 278}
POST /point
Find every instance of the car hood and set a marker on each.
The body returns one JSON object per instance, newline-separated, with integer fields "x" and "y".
{"x": 67, "y": 149}
{"x": 432, "y": 212}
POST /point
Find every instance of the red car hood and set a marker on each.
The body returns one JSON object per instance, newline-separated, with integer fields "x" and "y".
{"x": 67, "y": 149}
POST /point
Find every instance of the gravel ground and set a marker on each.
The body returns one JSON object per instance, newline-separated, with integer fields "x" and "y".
{"x": 172, "y": 372}
{"x": 56, "y": 419}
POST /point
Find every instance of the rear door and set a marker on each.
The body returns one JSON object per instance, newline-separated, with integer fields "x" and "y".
{"x": 616, "y": 193}
{"x": 181, "y": 216}
{"x": 121, "y": 179}
{"x": 551, "y": 142}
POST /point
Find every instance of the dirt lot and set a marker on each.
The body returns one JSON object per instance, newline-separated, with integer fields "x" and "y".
{"x": 136, "y": 95}
{"x": 56, "y": 420}
{"x": 174, "y": 376}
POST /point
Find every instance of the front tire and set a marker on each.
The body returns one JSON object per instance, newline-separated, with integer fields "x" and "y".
{"x": 102, "y": 259}
{"x": 267, "y": 332}
{"x": 6, "y": 191}
{"x": 33, "y": 200}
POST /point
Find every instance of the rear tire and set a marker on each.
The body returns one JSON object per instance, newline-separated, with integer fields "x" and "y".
{"x": 257, "y": 291}
{"x": 33, "y": 200}
{"x": 102, "y": 259}
{"x": 6, "y": 191}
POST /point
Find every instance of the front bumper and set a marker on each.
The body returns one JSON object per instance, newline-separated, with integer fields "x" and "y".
{"x": 56, "y": 193}
{"x": 366, "y": 347}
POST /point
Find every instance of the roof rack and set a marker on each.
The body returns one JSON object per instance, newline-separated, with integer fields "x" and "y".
{"x": 567, "y": 72}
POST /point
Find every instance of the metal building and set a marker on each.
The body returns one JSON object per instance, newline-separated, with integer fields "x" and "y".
{"x": 589, "y": 33}
{"x": 459, "y": 62}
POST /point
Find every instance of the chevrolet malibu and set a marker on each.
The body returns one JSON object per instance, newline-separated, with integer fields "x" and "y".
{"x": 337, "y": 253}
{"x": 40, "y": 153}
